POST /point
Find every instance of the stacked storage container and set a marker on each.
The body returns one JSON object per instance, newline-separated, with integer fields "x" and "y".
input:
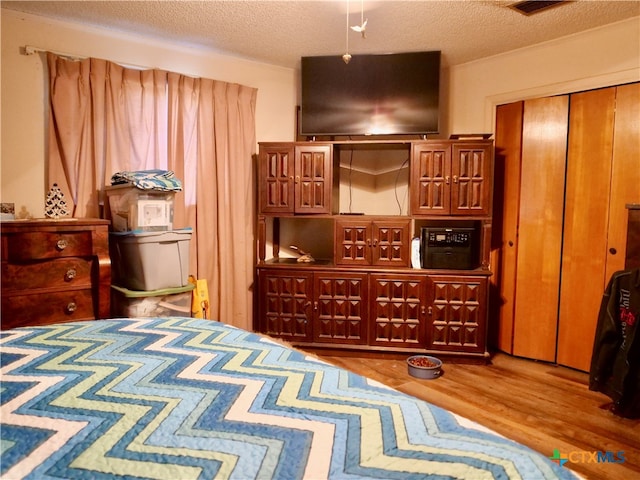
{"x": 149, "y": 259}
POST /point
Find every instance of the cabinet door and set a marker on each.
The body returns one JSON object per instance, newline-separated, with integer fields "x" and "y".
{"x": 457, "y": 316}
{"x": 390, "y": 244}
{"x": 471, "y": 184}
{"x": 285, "y": 308}
{"x": 353, "y": 242}
{"x": 397, "y": 310}
{"x": 276, "y": 186}
{"x": 378, "y": 242}
{"x": 430, "y": 179}
{"x": 313, "y": 179}
{"x": 340, "y": 308}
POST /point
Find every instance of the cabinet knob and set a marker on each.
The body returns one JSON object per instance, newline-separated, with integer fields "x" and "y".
{"x": 511, "y": 243}
{"x": 297, "y": 178}
{"x": 71, "y": 307}
{"x": 70, "y": 275}
{"x": 62, "y": 244}
{"x": 447, "y": 179}
{"x": 430, "y": 310}
{"x": 455, "y": 179}
{"x": 613, "y": 251}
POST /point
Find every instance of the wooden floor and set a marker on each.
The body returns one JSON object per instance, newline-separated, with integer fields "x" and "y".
{"x": 545, "y": 407}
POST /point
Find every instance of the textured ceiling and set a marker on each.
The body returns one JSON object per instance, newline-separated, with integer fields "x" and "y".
{"x": 280, "y": 32}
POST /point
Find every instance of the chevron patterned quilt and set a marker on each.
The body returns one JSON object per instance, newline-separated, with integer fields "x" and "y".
{"x": 183, "y": 398}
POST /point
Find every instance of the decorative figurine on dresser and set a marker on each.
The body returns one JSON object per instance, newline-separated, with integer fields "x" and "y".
{"x": 54, "y": 270}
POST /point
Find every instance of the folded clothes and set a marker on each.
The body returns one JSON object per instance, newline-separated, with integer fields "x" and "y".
{"x": 164, "y": 180}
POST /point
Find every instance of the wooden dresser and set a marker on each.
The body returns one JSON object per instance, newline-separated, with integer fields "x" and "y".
{"x": 54, "y": 271}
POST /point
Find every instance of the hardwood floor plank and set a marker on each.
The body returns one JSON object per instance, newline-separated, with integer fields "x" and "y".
{"x": 540, "y": 405}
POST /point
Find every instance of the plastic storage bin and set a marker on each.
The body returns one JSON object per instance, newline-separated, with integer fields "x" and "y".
{"x": 150, "y": 260}
{"x": 131, "y": 208}
{"x": 156, "y": 303}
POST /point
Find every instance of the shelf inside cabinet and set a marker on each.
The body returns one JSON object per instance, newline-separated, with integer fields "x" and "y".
{"x": 312, "y": 235}
{"x": 374, "y": 179}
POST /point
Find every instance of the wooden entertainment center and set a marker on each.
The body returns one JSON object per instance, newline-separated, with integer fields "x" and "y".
{"x": 361, "y": 292}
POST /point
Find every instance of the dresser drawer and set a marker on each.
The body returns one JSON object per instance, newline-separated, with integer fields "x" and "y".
{"x": 57, "y": 273}
{"x": 25, "y": 246}
{"x": 46, "y": 308}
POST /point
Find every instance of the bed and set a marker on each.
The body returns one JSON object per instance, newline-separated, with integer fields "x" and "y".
{"x": 183, "y": 398}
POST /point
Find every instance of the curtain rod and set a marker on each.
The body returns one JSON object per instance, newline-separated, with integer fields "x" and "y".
{"x": 31, "y": 50}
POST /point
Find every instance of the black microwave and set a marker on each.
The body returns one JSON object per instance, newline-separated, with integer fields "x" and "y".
{"x": 449, "y": 248}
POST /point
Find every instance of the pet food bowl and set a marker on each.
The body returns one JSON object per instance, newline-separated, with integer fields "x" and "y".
{"x": 424, "y": 366}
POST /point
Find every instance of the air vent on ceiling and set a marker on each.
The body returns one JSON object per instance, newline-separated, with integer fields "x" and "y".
{"x": 529, "y": 7}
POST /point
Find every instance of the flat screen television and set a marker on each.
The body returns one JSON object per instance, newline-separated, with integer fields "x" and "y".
{"x": 387, "y": 94}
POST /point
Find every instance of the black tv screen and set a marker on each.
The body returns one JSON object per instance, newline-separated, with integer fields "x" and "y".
{"x": 371, "y": 95}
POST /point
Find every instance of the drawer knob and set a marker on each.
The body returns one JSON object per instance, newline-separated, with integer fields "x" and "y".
{"x": 62, "y": 244}
{"x": 70, "y": 275}
{"x": 72, "y": 307}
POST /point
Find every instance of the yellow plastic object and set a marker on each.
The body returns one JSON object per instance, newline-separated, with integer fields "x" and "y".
{"x": 200, "y": 307}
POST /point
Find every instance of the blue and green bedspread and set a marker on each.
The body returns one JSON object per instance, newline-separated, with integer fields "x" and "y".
{"x": 182, "y": 398}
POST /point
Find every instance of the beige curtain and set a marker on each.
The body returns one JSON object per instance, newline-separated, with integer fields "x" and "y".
{"x": 105, "y": 118}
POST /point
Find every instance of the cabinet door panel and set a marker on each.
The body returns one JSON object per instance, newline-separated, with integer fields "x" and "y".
{"x": 313, "y": 184}
{"x": 457, "y": 318}
{"x": 430, "y": 179}
{"x": 391, "y": 243}
{"x": 285, "y": 304}
{"x": 396, "y": 312}
{"x": 341, "y": 308}
{"x": 353, "y": 242}
{"x": 471, "y": 179}
{"x": 276, "y": 179}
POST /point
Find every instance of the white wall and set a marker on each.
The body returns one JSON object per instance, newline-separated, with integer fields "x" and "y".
{"x": 600, "y": 57}
{"x": 24, "y": 85}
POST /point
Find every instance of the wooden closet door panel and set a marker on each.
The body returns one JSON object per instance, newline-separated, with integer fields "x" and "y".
{"x": 584, "y": 252}
{"x": 625, "y": 174}
{"x": 544, "y": 149}
{"x": 505, "y": 226}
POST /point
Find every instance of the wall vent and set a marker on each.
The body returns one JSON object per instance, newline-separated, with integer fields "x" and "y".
{"x": 529, "y": 7}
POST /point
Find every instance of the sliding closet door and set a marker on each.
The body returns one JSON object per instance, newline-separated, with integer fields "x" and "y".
{"x": 625, "y": 173}
{"x": 506, "y": 198}
{"x": 531, "y": 146}
{"x": 586, "y": 223}
{"x": 603, "y": 176}
{"x": 557, "y": 249}
{"x": 544, "y": 149}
